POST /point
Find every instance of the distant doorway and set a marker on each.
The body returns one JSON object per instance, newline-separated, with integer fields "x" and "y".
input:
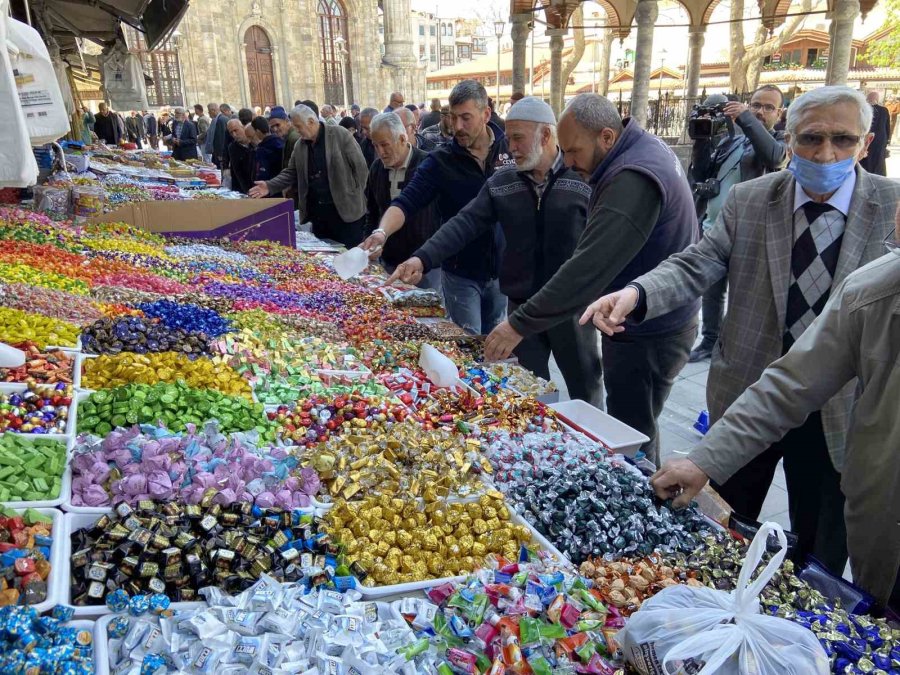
{"x": 260, "y": 67}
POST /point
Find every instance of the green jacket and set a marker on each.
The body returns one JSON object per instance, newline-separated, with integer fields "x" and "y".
{"x": 857, "y": 335}
{"x": 289, "y": 142}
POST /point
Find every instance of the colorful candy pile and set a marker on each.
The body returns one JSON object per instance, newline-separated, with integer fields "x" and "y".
{"x": 25, "y": 543}
{"x": 40, "y": 409}
{"x": 31, "y": 468}
{"x": 46, "y": 367}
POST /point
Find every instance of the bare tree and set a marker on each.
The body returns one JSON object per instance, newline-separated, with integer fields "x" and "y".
{"x": 747, "y": 61}
{"x": 574, "y": 58}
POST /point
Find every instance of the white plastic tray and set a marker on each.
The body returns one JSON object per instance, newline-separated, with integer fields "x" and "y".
{"x": 596, "y": 424}
{"x": 58, "y": 568}
{"x": 379, "y": 592}
{"x": 18, "y": 387}
{"x": 65, "y": 487}
{"x": 72, "y": 523}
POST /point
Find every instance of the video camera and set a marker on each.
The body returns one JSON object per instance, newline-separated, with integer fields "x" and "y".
{"x": 707, "y": 121}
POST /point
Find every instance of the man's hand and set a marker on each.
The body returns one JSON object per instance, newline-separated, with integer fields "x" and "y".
{"x": 680, "y": 479}
{"x": 409, "y": 272}
{"x": 609, "y": 312}
{"x": 734, "y": 108}
{"x": 259, "y": 189}
{"x": 374, "y": 243}
{"x": 500, "y": 343}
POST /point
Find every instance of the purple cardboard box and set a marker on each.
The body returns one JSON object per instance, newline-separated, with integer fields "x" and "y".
{"x": 236, "y": 219}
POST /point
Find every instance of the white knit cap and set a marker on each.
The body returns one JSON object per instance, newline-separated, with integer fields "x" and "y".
{"x": 531, "y": 109}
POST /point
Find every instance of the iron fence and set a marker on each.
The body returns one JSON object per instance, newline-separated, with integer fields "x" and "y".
{"x": 668, "y": 115}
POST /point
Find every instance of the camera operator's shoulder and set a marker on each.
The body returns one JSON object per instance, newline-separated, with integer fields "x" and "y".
{"x": 764, "y": 189}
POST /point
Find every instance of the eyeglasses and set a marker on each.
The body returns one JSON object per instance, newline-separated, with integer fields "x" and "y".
{"x": 842, "y": 141}
{"x": 768, "y": 107}
{"x": 892, "y": 244}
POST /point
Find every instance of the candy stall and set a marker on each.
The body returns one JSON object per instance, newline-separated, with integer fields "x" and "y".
{"x": 216, "y": 456}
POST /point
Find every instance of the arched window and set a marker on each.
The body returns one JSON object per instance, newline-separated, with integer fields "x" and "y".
{"x": 332, "y": 25}
{"x": 260, "y": 67}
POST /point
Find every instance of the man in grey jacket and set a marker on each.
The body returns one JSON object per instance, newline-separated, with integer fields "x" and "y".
{"x": 782, "y": 240}
{"x": 542, "y": 208}
{"x": 330, "y": 174}
{"x": 856, "y": 339}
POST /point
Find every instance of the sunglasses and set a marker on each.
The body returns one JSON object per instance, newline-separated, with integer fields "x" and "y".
{"x": 768, "y": 107}
{"x": 842, "y": 141}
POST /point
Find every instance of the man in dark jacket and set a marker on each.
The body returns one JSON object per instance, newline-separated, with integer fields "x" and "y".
{"x": 269, "y": 150}
{"x": 106, "y": 127}
{"x": 641, "y": 210}
{"x": 134, "y": 126}
{"x": 442, "y": 132}
{"x": 362, "y": 137}
{"x": 184, "y": 136}
{"x": 876, "y": 161}
{"x": 433, "y": 117}
{"x": 240, "y": 158}
{"x": 753, "y": 150}
{"x": 152, "y": 130}
{"x": 395, "y": 167}
{"x": 453, "y": 175}
{"x": 542, "y": 207}
{"x": 218, "y": 130}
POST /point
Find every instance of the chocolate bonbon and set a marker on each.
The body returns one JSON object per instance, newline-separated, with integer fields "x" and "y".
{"x": 176, "y": 550}
{"x": 40, "y": 409}
{"x": 186, "y": 317}
{"x": 35, "y": 644}
{"x": 135, "y": 334}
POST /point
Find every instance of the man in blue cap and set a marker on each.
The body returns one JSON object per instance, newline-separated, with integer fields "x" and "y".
{"x": 541, "y": 206}
{"x": 280, "y": 125}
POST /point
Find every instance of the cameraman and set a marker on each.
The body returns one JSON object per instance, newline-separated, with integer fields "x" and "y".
{"x": 751, "y": 149}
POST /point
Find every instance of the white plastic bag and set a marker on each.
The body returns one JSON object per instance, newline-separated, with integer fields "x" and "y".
{"x": 350, "y": 263}
{"x": 39, "y": 94}
{"x": 686, "y": 629}
{"x": 438, "y": 367}
{"x": 18, "y": 167}
{"x": 123, "y": 79}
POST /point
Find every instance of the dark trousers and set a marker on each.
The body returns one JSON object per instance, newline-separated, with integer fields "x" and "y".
{"x": 639, "y": 372}
{"x": 714, "y": 310}
{"x": 577, "y": 354}
{"x": 330, "y": 226}
{"x": 815, "y": 500}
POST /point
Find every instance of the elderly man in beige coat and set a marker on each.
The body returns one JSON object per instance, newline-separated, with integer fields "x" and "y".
{"x": 857, "y": 335}
{"x": 330, "y": 174}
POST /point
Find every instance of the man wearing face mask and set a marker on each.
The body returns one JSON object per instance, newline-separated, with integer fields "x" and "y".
{"x": 858, "y": 337}
{"x": 783, "y": 241}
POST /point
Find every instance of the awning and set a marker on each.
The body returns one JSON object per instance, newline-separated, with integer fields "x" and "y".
{"x": 98, "y": 20}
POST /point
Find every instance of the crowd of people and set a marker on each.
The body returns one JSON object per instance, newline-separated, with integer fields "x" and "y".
{"x": 524, "y": 222}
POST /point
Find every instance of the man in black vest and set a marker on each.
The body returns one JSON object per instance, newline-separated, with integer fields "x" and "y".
{"x": 641, "y": 210}
{"x": 395, "y": 167}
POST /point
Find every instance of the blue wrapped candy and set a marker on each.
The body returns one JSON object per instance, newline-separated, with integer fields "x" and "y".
{"x": 63, "y": 613}
{"x": 153, "y": 664}
{"x": 159, "y": 603}
{"x": 117, "y": 601}
{"x": 118, "y": 627}
{"x": 138, "y": 605}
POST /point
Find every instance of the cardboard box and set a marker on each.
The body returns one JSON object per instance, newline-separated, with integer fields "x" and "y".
{"x": 237, "y": 219}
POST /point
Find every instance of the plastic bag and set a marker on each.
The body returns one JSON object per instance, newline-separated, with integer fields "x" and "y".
{"x": 36, "y": 83}
{"x": 18, "y": 166}
{"x": 439, "y": 369}
{"x": 123, "y": 78}
{"x": 698, "y": 630}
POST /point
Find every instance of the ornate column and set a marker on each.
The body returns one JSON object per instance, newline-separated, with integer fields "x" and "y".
{"x": 845, "y": 13}
{"x": 557, "y": 86}
{"x": 520, "y": 29}
{"x": 646, "y": 14}
{"x": 696, "y": 37}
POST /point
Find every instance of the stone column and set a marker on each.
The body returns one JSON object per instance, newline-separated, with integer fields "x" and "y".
{"x": 557, "y": 86}
{"x": 646, "y": 14}
{"x": 398, "y": 44}
{"x": 843, "y": 16}
{"x": 605, "y": 50}
{"x": 696, "y": 37}
{"x": 520, "y": 31}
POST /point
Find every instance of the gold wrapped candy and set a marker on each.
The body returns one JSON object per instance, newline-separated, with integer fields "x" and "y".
{"x": 398, "y": 540}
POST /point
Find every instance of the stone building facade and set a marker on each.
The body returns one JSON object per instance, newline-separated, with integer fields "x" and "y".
{"x": 267, "y": 52}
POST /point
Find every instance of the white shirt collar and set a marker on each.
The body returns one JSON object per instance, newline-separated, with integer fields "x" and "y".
{"x": 839, "y": 200}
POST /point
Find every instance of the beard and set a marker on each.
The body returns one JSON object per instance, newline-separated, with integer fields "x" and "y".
{"x": 533, "y": 157}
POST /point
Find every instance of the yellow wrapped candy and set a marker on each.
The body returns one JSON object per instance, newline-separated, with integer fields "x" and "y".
{"x": 18, "y": 326}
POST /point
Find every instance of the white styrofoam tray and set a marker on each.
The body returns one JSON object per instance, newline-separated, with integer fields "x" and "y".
{"x": 596, "y": 424}
{"x": 19, "y": 387}
{"x": 65, "y": 487}
{"x": 57, "y": 566}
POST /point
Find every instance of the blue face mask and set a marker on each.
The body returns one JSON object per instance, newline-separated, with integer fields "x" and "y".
{"x": 820, "y": 179}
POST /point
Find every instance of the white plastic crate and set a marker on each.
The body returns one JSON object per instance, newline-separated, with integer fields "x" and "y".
{"x": 58, "y": 568}
{"x": 596, "y": 424}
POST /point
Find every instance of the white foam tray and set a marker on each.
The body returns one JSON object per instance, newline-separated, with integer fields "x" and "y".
{"x": 65, "y": 488}
{"x": 18, "y": 387}
{"x": 599, "y": 426}
{"x": 57, "y": 560}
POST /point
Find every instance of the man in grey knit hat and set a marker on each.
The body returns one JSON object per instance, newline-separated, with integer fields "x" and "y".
{"x": 542, "y": 208}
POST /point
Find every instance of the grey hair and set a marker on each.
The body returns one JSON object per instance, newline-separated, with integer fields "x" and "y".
{"x": 391, "y": 122}
{"x": 369, "y": 112}
{"x": 178, "y": 110}
{"x": 304, "y": 113}
{"x": 226, "y": 106}
{"x": 828, "y": 96}
{"x": 594, "y": 112}
{"x": 406, "y": 116}
{"x": 469, "y": 90}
